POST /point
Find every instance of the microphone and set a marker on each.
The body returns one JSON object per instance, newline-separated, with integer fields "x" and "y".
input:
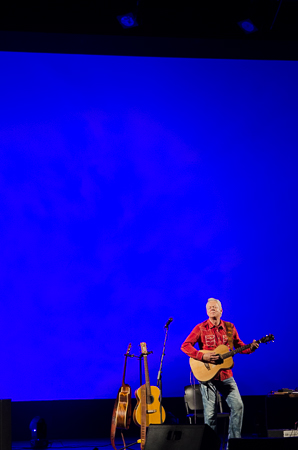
{"x": 168, "y": 322}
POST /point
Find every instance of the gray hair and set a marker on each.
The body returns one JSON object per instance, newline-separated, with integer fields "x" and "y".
{"x": 214, "y": 300}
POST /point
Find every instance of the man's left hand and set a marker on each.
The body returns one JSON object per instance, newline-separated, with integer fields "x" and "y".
{"x": 254, "y": 345}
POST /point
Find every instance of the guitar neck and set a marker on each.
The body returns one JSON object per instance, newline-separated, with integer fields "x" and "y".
{"x": 125, "y": 361}
{"x": 124, "y": 370}
{"x": 237, "y": 350}
{"x": 148, "y": 387}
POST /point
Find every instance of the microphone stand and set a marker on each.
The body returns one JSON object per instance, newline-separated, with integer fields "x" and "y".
{"x": 159, "y": 381}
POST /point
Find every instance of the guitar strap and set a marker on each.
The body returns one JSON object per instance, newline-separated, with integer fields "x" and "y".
{"x": 229, "y": 334}
{"x": 143, "y": 416}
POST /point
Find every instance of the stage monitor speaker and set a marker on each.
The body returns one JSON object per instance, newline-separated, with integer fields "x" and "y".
{"x": 181, "y": 437}
{"x": 5, "y": 424}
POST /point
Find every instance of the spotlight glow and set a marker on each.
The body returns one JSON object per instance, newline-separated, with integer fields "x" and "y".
{"x": 247, "y": 26}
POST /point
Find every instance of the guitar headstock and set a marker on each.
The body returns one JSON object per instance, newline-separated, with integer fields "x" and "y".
{"x": 128, "y": 350}
{"x": 265, "y": 339}
{"x": 143, "y": 346}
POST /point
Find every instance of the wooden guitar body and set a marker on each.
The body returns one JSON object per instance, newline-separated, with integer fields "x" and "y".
{"x": 206, "y": 371}
{"x": 152, "y": 407}
{"x": 123, "y": 409}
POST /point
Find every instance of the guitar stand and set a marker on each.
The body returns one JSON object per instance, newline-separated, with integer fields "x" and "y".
{"x": 140, "y": 357}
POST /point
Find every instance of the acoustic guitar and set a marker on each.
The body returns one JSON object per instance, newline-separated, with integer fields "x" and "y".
{"x": 152, "y": 398}
{"x": 205, "y": 371}
{"x": 121, "y": 417}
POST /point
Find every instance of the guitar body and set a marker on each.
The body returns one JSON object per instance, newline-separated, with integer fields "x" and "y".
{"x": 123, "y": 408}
{"x": 121, "y": 416}
{"x": 204, "y": 371}
{"x": 152, "y": 408}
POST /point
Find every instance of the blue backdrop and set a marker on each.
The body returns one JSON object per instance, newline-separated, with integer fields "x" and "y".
{"x": 132, "y": 189}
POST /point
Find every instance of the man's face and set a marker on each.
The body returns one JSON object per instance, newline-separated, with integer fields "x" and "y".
{"x": 213, "y": 310}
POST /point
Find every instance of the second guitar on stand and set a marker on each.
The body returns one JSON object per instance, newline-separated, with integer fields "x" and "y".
{"x": 152, "y": 398}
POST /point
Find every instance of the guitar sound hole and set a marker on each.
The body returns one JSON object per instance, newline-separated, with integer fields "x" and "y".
{"x": 150, "y": 399}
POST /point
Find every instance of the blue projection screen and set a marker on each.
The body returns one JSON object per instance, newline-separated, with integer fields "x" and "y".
{"x": 132, "y": 189}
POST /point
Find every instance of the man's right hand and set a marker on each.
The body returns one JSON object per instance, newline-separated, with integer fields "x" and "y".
{"x": 211, "y": 357}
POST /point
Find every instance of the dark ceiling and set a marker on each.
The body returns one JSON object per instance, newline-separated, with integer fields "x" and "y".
{"x": 275, "y": 21}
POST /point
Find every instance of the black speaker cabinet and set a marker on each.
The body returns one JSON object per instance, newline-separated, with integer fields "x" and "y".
{"x": 281, "y": 412}
{"x": 181, "y": 437}
{"x": 5, "y": 424}
{"x": 290, "y": 443}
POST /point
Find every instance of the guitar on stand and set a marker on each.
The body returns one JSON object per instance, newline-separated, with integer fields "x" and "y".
{"x": 121, "y": 417}
{"x": 153, "y": 406}
{"x": 204, "y": 371}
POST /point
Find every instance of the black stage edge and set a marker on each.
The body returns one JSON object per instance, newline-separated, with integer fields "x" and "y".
{"x": 91, "y": 419}
{"x": 264, "y": 444}
{"x": 93, "y": 44}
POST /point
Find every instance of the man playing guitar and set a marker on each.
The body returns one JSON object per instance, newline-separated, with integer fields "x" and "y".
{"x": 210, "y": 334}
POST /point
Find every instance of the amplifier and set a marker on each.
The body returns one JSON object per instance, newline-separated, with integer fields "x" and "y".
{"x": 282, "y": 433}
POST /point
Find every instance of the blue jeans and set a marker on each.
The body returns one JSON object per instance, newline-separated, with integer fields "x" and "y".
{"x": 229, "y": 390}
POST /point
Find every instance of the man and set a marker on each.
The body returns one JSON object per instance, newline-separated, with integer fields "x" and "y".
{"x": 209, "y": 335}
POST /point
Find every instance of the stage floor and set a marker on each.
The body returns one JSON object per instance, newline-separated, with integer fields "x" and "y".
{"x": 86, "y": 444}
{"x": 247, "y": 442}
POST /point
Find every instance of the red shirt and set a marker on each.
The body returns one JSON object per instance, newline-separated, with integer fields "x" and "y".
{"x": 210, "y": 336}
